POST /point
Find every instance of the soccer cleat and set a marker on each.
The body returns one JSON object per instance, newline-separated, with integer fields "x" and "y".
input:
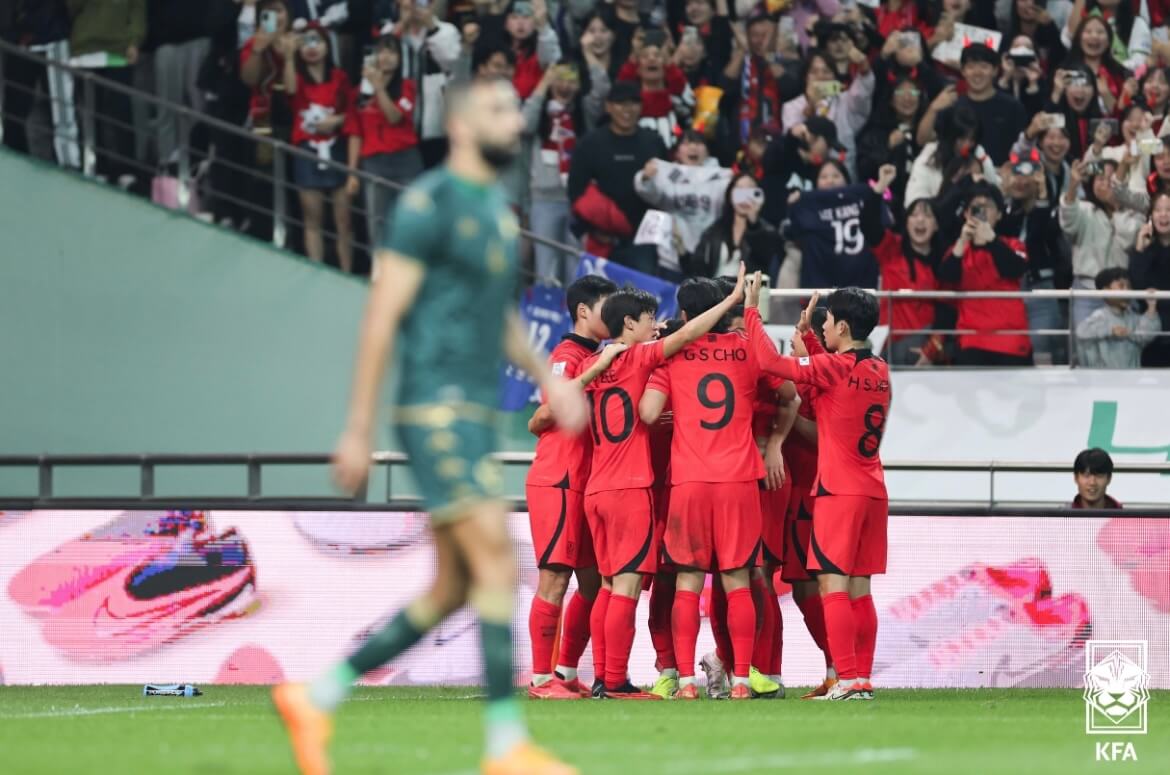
{"x": 527, "y": 759}
{"x": 627, "y": 691}
{"x": 741, "y": 692}
{"x": 717, "y": 684}
{"x": 665, "y": 687}
{"x": 576, "y": 686}
{"x": 866, "y": 689}
{"x": 841, "y": 693}
{"x": 761, "y": 685}
{"x": 821, "y": 690}
{"x": 309, "y": 729}
{"x": 597, "y": 691}
{"x": 554, "y": 689}
{"x": 688, "y": 692}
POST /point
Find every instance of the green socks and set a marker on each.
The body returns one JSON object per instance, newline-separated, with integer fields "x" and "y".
{"x": 504, "y": 727}
{"x": 328, "y": 691}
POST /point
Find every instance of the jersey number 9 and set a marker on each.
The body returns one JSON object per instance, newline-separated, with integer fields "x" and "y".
{"x": 726, "y": 403}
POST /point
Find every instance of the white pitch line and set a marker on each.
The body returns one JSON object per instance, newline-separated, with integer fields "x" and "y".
{"x": 71, "y": 712}
{"x": 860, "y": 757}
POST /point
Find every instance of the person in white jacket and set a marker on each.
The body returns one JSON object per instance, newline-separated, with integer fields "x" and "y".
{"x": 955, "y": 155}
{"x": 430, "y": 49}
{"x": 848, "y": 109}
{"x": 1101, "y": 233}
{"x": 691, "y": 190}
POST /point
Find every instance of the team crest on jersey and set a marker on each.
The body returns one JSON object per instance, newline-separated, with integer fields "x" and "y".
{"x": 558, "y": 369}
{"x": 804, "y": 361}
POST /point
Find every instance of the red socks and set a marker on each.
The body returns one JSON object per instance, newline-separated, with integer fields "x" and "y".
{"x": 814, "y": 620}
{"x": 865, "y": 619}
{"x": 684, "y": 624}
{"x": 741, "y": 624}
{"x": 842, "y": 632}
{"x": 718, "y": 618}
{"x": 543, "y": 618}
{"x": 661, "y": 602}
{"x": 619, "y": 636}
{"x": 575, "y": 631}
{"x": 597, "y": 632}
{"x": 766, "y": 655}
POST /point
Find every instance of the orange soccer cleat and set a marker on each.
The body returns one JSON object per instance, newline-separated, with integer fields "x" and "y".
{"x": 309, "y": 729}
{"x": 555, "y": 689}
{"x": 688, "y": 692}
{"x": 527, "y": 759}
{"x": 821, "y": 690}
{"x": 741, "y": 692}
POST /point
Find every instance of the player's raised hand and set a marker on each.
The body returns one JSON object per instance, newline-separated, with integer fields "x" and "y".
{"x": 351, "y": 461}
{"x": 752, "y": 292}
{"x": 805, "y": 322}
{"x": 567, "y": 403}
{"x": 611, "y": 351}
{"x": 740, "y": 283}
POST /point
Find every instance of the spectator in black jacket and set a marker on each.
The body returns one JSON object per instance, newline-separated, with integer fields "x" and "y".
{"x": 1001, "y": 116}
{"x": 739, "y": 234}
{"x": 889, "y": 138}
{"x": 1149, "y": 267}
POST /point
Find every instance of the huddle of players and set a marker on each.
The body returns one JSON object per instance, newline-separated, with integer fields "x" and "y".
{"x": 709, "y": 452}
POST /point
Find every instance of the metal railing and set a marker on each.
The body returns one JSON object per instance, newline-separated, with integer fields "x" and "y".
{"x": 45, "y": 495}
{"x": 277, "y": 178}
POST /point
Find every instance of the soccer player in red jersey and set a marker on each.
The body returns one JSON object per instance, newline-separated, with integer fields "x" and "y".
{"x": 848, "y": 540}
{"x": 714, "y": 520}
{"x": 618, "y": 502}
{"x": 556, "y": 509}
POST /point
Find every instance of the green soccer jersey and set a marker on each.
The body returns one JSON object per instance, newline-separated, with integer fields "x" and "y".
{"x": 452, "y": 340}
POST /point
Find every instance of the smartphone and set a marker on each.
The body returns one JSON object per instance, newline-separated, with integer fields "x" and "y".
{"x": 690, "y": 33}
{"x": 268, "y": 21}
{"x": 1022, "y": 56}
{"x": 1055, "y": 120}
{"x": 1151, "y": 146}
{"x": 743, "y": 196}
{"x": 370, "y": 60}
{"x": 1097, "y": 123}
{"x": 979, "y": 213}
{"x": 827, "y": 89}
{"x": 1093, "y": 169}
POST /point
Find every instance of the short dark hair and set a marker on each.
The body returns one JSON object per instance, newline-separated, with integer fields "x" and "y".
{"x": 985, "y": 190}
{"x": 670, "y": 326}
{"x": 726, "y": 284}
{"x": 1107, "y": 277}
{"x": 587, "y": 290}
{"x": 1093, "y": 461}
{"x": 696, "y": 295}
{"x": 626, "y": 303}
{"x": 819, "y": 316}
{"x": 485, "y": 51}
{"x": 978, "y": 52}
{"x": 856, "y": 307}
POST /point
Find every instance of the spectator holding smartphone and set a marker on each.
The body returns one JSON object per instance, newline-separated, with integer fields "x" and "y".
{"x": 739, "y": 234}
{"x": 1092, "y": 46}
{"x": 1075, "y": 96}
{"x": 385, "y": 143}
{"x": 1133, "y": 153}
{"x": 1021, "y": 75}
{"x": 1149, "y": 266}
{"x": 981, "y": 260}
{"x": 322, "y": 102}
{"x": 956, "y": 154}
{"x": 1100, "y": 232}
{"x": 262, "y": 59}
{"x": 1114, "y": 335}
{"x": 1031, "y": 19}
{"x": 824, "y": 96}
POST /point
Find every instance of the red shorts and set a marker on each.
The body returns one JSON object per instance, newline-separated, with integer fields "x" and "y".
{"x": 849, "y": 535}
{"x": 774, "y": 518}
{"x": 622, "y": 524}
{"x": 713, "y": 525}
{"x": 559, "y": 533}
{"x": 798, "y": 527}
{"x": 661, "y": 514}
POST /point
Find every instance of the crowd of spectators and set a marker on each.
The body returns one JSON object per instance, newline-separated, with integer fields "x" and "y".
{"x": 902, "y": 144}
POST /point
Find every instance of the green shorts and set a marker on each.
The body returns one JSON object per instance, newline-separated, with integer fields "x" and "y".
{"x": 450, "y": 448}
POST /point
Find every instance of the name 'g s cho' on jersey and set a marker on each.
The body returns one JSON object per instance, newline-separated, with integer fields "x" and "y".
{"x": 621, "y": 441}
{"x": 851, "y": 411}
{"x": 563, "y": 459}
{"x": 713, "y": 391}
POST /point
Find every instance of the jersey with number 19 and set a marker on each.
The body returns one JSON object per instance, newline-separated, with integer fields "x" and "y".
{"x": 849, "y": 522}
{"x": 714, "y": 518}
{"x": 619, "y": 505}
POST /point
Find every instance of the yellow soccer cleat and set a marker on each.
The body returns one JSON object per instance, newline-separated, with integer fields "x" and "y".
{"x": 762, "y": 685}
{"x": 665, "y": 687}
{"x": 309, "y": 729}
{"x": 527, "y": 759}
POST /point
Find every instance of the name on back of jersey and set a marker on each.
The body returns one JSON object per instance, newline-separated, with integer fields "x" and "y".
{"x": 869, "y": 384}
{"x": 721, "y": 355}
{"x": 841, "y": 212}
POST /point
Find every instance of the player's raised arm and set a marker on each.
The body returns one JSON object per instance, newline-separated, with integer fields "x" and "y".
{"x": 651, "y": 406}
{"x": 392, "y": 294}
{"x": 565, "y": 399}
{"x": 703, "y": 323}
{"x": 604, "y": 361}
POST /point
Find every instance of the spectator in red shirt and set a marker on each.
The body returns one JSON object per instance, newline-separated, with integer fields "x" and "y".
{"x": 262, "y": 60}
{"x": 983, "y": 261}
{"x": 322, "y": 103}
{"x": 907, "y": 259}
{"x": 667, "y": 99}
{"x": 1093, "y": 471}
{"x": 534, "y": 42}
{"x": 384, "y": 141}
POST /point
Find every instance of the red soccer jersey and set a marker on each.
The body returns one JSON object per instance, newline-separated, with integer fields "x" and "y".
{"x": 764, "y": 409}
{"x": 661, "y": 432}
{"x": 334, "y": 96}
{"x": 621, "y": 441}
{"x": 800, "y": 455}
{"x": 851, "y": 412}
{"x": 563, "y": 460}
{"x": 377, "y": 133}
{"x": 713, "y": 391}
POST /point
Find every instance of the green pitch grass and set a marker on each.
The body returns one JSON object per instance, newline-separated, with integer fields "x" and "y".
{"x": 409, "y": 730}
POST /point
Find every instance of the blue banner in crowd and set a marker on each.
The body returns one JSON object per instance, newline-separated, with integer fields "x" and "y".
{"x": 666, "y": 293}
{"x": 543, "y": 312}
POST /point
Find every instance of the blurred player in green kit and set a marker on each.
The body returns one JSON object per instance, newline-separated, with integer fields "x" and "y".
{"x": 450, "y": 251}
